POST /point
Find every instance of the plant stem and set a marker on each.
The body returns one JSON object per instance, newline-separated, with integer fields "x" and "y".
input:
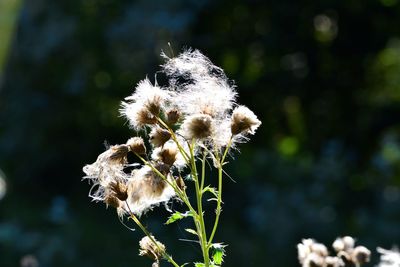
{"x": 199, "y": 196}
{"x": 219, "y": 199}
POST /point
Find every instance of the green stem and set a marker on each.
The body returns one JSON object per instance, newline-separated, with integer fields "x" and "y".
{"x": 147, "y": 233}
{"x": 199, "y": 196}
{"x": 219, "y": 199}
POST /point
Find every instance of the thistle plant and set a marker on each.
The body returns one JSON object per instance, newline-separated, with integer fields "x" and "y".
{"x": 190, "y": 123}
{"x": 314, "y": 254}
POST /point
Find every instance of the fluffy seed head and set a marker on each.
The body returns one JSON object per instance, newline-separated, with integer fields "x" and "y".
{"x": 345, "y": 243}
{"x": 119, "y": 190}
{"x": 333, "y": 262}
{"x": 144, "y": 105}
{"x": 119, "y": 153}
{"x": 146, "y": 189}
{"x": 197, "y": 126}
{"x": 112, "y": 201}
{"x": 244, "y": 121}
{"x": 313, "y": 260}
{"x": 151, "y": 250}
{"x": 173, "y": 116}
{"x": 319, "y": 249}
{"x": 360, "y": 255}
{"x": 159, "y": 136}
{"x": 389, "y": 258}
{"x": 136, "y": 145}
{"x": 166, "y": 154}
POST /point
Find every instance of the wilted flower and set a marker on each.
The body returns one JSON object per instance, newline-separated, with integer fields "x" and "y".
{"x": 146, "y": 189}
{"x": 136, "y": 145}
{"x": 103, "y": 172}
{"x": 360, "y": 255}
{"x": 159, "y": 136}
{"x": 197, "y": 126}
{"x": 144, "y": 105}
{"x": 149, "y": 249}
{"x": 244, "y": 121}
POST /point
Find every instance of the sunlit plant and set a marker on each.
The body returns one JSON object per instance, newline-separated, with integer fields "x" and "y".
{"x": 191, "y": 122}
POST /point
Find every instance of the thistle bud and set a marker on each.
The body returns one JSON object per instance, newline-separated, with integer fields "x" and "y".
{"x": 159, "y": 136}
{"x": 119, "y": 153}
{"x": 136, "y": 145}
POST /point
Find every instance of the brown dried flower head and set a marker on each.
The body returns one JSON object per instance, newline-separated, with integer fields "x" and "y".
{"x": 112, "y": 201}
{"x": 151, "y": 250}
{"x": 333, "y": 262}
{"x": 173, "y": 116}
{"x": 153, "y": 105}
{"x": 168, "y": 155}
{"x": 159, "y": 136}
{"x": 145, "y": 117}
{"x": 360, "y": 255}
{"x": 197, "y": 126}
{"x": 136, "y": 145}
{"x": 244, "y": 121}
{"x": 119, "y": 153}
{"x": 119, "y": 190}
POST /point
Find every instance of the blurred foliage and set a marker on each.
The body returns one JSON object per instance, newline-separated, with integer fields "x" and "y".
{"x": 323, "y": 77}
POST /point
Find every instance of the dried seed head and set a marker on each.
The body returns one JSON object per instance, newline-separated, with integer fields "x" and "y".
{"x": 163, "y": 168}
{"x": 146, "y": 189}
{"x": 343, "y": 243}
{"x": 119, "y": 153}
{"x": 144, "y": 117}
{"x": 319, "y": 249}
{"x": 150, "y": 249}
{"x": 333, "y": 262}
{"x": 197, "y": 126}
{"x": 167, "y": 154}
{"x": 112, "y": 201}
{"x": 159, "y": 136}
{"x": 244, "y": 121}
{"x": 345, "y": 257}
{"x": 136, "y": 145}
{"x": 313, "y": 260}
{"x": 360, "y": 255}
{"x": 173, "y": 116}
{"x": 304, "y": 249}
{"x": 153, "y": 105}
{"x": 119, "y": 190}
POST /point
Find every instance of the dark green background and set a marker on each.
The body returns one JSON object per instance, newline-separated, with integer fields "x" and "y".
{"x": 323, "y": 76}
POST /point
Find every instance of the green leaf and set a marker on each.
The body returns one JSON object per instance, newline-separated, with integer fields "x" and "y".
{"x": 218, "y": 253}
{"x": 177, "y": 216}
{"x": 199, "y": 264}
{"x": 193, "y": 232}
